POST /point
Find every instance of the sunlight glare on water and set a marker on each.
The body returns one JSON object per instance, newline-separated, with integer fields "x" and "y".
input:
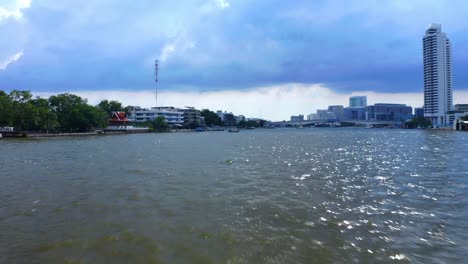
{"x": 285, "y": 196}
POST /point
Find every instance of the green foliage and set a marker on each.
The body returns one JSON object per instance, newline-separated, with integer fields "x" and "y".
{"x": 75, "y": 115}
{"x": 159, "y": 124}
{"x": 464, "y": 118}
{"x": 251, "y": 123}
{"x": 211, "y": 118}
{"x": 110, "y": 106}
{"x": 419, "y": 122}
{"x": 6, "y": 109}
{"x": 65, "y": 112}
{"x": 46, "y": 118}
{"x": 17, "y": 110}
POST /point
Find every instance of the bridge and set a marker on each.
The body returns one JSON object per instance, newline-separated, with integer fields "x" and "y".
{"x": 362, "y": 123}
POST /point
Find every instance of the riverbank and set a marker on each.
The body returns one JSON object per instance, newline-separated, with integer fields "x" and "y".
{"x": 13, "y": 135}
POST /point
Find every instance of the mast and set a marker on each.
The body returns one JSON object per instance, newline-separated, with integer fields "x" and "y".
{"x": 156, "y": 80}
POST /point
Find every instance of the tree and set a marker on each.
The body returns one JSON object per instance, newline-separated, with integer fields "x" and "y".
{"x": 251, "y": 123}
{"x": 74, "y": 114}
{"x": 211, "y": 118}
{"x": 6, "y": 109}
{"x": 23, "y": 113}
{"x": 46, "y": 119}
{"x": 464, "y": 118}
{"x": 159, "y": 124}
{"x": 419, "y": 122}
{"x": 110, "y": 106}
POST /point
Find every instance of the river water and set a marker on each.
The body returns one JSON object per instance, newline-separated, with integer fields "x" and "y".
{"x": 315, "y": 195}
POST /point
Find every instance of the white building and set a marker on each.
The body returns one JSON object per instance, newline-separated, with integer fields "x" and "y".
{"x": 358, "y": 101}
{"x": 312, "y": 117}
{"x": 173, "y": 116}
{"x": 438, "y": 97}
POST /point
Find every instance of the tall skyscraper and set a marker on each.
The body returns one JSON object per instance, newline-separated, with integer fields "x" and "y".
{"x": 438, "y": 97}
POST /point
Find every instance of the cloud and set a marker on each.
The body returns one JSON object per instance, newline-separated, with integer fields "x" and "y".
{"x": 4, "y": 64}
{"x": 276, "y": 102}
{"x": 223, "y": 4}
{"x": 14, "y": 10}
{"x": 223, "y": 44}
{"x": 176, "y": 47}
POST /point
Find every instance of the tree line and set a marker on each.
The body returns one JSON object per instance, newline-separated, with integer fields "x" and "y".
{"x": 71, "y": 113}
{"x": 63, "y": 112}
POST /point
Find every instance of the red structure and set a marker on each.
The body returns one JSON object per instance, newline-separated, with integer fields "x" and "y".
{"x": 119, "y": 119}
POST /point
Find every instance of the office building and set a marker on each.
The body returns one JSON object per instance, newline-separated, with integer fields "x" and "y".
{"x": 325, "y": 115}
{"x": 358, "y": 101}
{"x": 298, "y": 118}
{"x": 419, "y": 112}
{"x": 389, "y": 112}
{"x": 354, "y": 113}
{"x": 337, "y": 110}
{"x": 438, "y": 97}
{"x": 461, "y": 107}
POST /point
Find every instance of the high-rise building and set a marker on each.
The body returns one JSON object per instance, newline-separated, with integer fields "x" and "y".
{"x": 358, "y": 101}
{"x": 438, "y": 97}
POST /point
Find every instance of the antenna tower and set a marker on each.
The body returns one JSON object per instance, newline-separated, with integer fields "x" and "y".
{"x": 156, "y": 80}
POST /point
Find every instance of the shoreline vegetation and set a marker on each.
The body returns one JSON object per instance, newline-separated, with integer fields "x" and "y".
{"x": 70, "y": 115}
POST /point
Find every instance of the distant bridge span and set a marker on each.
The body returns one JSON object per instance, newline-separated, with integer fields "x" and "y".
{"x": 313, "y": 122}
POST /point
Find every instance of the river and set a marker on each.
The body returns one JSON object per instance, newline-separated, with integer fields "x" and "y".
{"x": 314, "y": 195}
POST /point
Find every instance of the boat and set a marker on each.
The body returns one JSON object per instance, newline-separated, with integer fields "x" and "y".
{"x": 233, "y": 130}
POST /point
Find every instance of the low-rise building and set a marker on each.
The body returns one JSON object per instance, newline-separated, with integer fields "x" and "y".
{"x": 337, "y": 110}
{"x": 229, "y": 119}
{"x": 454, "y": 116}
{"x": 192, "y": 117}
{"x": 312, "y": 117}
{"x": 354, "y": 113}
{"x": 325, "y": 115}
{"x": 419, "y": 112}
{"x": 461, "y": 107}
{"x": 239, "y": 118}
{"x": 172, "y": 115}
{"x": 389, "y": 112}
{"x": 119, "y": 122}
{"x": 298, "y": 118}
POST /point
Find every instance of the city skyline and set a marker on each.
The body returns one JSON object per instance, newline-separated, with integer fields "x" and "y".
{"x": 312, "y": 54}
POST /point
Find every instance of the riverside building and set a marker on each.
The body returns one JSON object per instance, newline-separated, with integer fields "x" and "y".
{"x": 419, "y": 112}
{"x": 172, "y": 115}
{"x": 337, "y": 110}
{"x": 438, "y": 97}
{"x": 192, "y": 117}
{"x": 358, "y": 101}
{"x": 389, "y": 112}
{"x": 298, "y": 118}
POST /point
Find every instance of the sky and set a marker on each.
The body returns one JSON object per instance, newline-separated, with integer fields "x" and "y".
{"x": 268, "y": 59}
